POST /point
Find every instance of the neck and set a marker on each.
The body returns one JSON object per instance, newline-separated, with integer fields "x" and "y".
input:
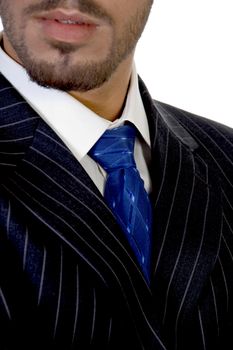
{"x": 108, "y": 100}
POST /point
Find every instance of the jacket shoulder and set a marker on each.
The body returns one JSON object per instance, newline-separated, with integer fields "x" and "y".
{"x": 193, "y": 121}
{"x": 214, "y": 140}
{"x": 208, "y": 133}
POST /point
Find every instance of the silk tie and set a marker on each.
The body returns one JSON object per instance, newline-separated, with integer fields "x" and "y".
{"x": 124, "y": 190}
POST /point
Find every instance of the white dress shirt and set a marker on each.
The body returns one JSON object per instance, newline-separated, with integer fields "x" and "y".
{"x": 77, "y": 126}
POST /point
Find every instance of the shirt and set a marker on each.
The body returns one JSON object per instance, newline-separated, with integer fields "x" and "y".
{"x": 79, "y": 127}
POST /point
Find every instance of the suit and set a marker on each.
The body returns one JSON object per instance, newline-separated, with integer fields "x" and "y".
{"x": 68, "y": 278}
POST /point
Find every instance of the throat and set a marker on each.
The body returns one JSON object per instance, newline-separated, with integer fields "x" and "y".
{"x": 107, "y": 107}
{"x": 109, "y": 100}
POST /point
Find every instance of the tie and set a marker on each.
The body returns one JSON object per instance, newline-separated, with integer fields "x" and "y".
{"x": 124, "y": 190}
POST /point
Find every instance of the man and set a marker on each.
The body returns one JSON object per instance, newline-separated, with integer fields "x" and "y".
{"x": 69, "y": 276}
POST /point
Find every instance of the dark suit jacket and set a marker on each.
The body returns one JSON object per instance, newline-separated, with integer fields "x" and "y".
{"x": 68, "y": 279}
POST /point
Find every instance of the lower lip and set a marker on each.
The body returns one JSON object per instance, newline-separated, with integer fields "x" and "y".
{"x": 70, "y": 33}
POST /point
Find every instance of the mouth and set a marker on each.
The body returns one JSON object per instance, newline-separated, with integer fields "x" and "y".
{"x": 68, "y": 26}
{"x": 69, "y": 17}
{"x": 70, "y": 21}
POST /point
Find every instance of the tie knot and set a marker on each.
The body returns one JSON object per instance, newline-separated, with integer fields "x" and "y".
{"x": 115, "y": 148}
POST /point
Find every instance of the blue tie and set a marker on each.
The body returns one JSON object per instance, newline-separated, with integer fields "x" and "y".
{"x": 124, "y": 190}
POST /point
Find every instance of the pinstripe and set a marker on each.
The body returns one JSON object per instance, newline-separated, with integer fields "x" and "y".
{"x": 225, "y": 282}
{"x": 215, "y": 304}
{"x": 86, "y": 207}
{"x": 12, "y": 153}
{"x": 180, "y": 133}
{"x": 17, "y": 139}
{"x": 42, "y": 275}
{"x": 76, "y": 304}
{"x": 7, "y": 309}
{"x": 94, "y": 316}
{"x": 100, "y": 256}
{"x": 12, "y": 105}
{"x": 179, "y": 254}
{"x": 17, "y": 123}
{"x": 228, "y": 224}
{"x": 8, "y": 219}
{"x": 193, "y": 269}
{"x": 6, "y": 88}
{"x": 182, "y": 243}
{"x": 56, "y": 201}
{"x": 227, "y": 246}
{"x": 220, "y": 168}
{"x": 152, "y": 329}
{"x": 59, "y": 293}
{"x": 106, "y": 263}
{"x": 164, "y": 169}
{"x": 211, "y": 154}
{"x": 214, "y": 142}
{"x": 109, "y": 330}
{"x": 54, "y": 140}
{"x": 220, "y": 240}
{"x": 227, "y": 199}
{"x": 75, "y": 215}
{"x": 64, "y": 190}
{"x": 91, "y": 265}
{"x": 70, "y": 174}
{"x": 170, "y": 211}
{"x": 25, "y": 248}
{"x": 219, "y": 133}
{"x": 202, "y": 330}
{"x": 8, "y": 164}
{"x": 156, "y": 133}
{"x": 57, "y": 233}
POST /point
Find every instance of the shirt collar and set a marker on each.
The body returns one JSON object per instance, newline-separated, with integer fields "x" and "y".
{"x": 75, "y": 124}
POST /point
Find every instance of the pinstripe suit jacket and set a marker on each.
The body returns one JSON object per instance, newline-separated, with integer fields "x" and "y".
{"x": 68, "y": 279}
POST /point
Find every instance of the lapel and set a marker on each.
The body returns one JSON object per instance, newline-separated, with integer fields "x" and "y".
{"x": 187, "y": 214}
{"x": 40, "y": 173}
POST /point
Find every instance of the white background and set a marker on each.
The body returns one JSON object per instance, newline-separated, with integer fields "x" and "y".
{"x": 185, "y": 56}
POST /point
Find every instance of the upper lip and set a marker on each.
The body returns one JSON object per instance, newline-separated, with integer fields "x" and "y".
{"x": 74, "y": 16}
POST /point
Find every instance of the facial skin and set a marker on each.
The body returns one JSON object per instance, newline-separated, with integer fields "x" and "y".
{"x": 80, "y": 58}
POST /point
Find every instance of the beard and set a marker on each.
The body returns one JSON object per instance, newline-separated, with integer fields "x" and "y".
{"x": 64, "y": 74}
